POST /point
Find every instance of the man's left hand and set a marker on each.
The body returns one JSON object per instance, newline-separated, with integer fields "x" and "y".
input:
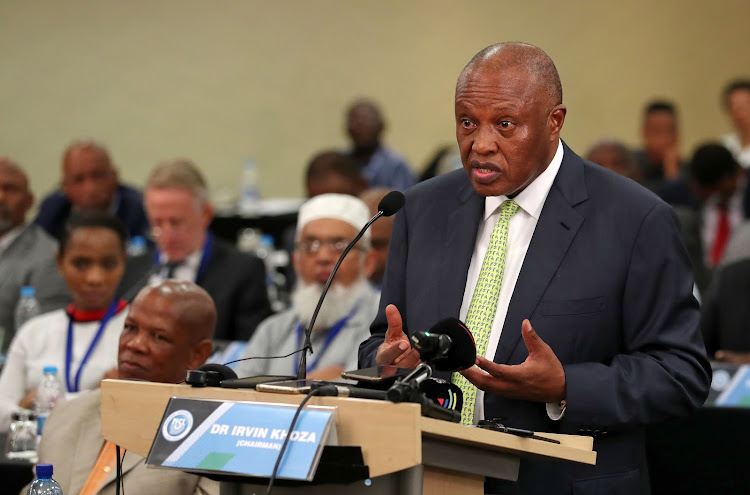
{"x": 539, "y": 378}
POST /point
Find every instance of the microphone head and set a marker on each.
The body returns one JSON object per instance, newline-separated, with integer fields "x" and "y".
{"x": 442, "y": 393}
{"x": 463, "y": 352}
{"x": 391, "y": 203}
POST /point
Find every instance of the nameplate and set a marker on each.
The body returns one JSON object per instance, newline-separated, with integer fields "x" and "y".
{"x": 242, "y": 438}
{"x": 735, "y": 387}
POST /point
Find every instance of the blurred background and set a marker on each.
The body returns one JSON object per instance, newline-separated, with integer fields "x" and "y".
{"x": 222, "y": 81}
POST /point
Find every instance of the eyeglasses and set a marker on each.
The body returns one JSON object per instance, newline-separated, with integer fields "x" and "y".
{"x": 312, "y": 246}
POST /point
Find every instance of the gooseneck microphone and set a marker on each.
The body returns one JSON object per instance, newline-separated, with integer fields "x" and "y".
{"x": 390, "y": 204}
{"x": 447, "y": 346}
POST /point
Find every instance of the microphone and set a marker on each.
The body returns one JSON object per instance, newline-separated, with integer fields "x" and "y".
{"x": 209, "y": 375}
{"x": 448, "y": 345}
{"x": 390, "y": 204}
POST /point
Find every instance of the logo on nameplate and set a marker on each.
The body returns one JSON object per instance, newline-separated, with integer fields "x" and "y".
{"x": 177, "y": 425}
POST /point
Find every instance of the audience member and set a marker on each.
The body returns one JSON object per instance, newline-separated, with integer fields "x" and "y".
{"x": 382, "y": 167}
{"x": 27, "y": 253}
{"x": 167, "y": 331}
{"x": 737, "y": 103}
{"x": 82, "y": 340}
{"x": 90, "y": 182}
{"x": 615, "y": 156}
{"x": 659, "y": 160}
{"x": 725, "y": 320}
{"x": 179, "y": 211}
{"x": 712, "y": 192}
{"x": 380, "y": 232}
{"x": 327, "y": 223}
{"x": 334, "y": 172}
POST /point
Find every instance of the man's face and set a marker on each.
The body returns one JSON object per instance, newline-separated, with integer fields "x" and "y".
{"x": 507, "y": 129}
{"x": 364, "y": 126}
{"x": 153, "y": 344}
{"x": 178, "y": 221}
{"x": 15, "y": 198}
{"x": 89, "y": 181}
{"x": 659, "y": 134}
{"x": 323, "y": 235}
{"x": 738, "y": 104}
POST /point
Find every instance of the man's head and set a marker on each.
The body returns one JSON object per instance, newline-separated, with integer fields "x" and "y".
{"x": 614, "y": 155}
{"x": 380, "y": 231}
{"x": 15, "y": 197}
{"x": 737, "y": 103}
{"x": 334, "y": 172}
{"x": 660, "y": 130}
{"x": 364, "y": 124}
{"x": 714, "y": 172}
{"x": 89, "y": 179}
{"x": 177, "y": 206}
{"x": 325, "y": 225}
{"x": 168, "y": 330}
{"x": 509, "y": 115}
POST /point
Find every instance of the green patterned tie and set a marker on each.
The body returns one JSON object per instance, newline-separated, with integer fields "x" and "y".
{"x": 483, "y": 305}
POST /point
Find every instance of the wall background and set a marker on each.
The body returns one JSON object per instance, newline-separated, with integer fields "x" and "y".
{"x": 219, "y": 81}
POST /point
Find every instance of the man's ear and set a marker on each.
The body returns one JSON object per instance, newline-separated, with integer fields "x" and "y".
{"x": 207, "y": 213}
{"x": 371, "y": 260}
{"x": 200, "y": 353}
{"x": 556, "y": 121}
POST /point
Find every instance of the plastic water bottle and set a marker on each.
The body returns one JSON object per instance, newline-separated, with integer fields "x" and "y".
{"x": 137, "y": 246}
{"x": 27, "y": 307}
{"x": 44, "y": 484}
{"x": 48, "y": 395}
{"x": 249, "y": 195}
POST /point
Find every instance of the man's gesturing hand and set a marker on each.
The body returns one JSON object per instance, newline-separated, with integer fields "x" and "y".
{"x": 540, "y": 378}
{"x": 396, "y": 350}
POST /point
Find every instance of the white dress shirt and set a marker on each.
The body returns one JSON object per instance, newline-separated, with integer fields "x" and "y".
{"x": 520, "y": 231}
{"x": 187, "y": 270}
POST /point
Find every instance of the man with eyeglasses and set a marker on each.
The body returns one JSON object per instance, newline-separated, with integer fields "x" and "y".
{"x": 179, "y": 212}
{"x": 325, "y": 225}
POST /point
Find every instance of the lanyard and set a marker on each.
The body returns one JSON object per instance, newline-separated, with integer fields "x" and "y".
{"x": 335, "y": 329}
{"x": 207, "y": 245}
{"x": 75, "y": 387}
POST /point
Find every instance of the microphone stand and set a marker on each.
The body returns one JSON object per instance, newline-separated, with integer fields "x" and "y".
{"x": 307, "y": 346}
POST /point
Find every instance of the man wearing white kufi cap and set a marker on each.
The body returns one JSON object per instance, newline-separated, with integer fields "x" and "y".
{"x": 325, "y": 225}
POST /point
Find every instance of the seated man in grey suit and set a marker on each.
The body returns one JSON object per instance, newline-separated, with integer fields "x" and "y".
{"x": 168, "y": 330}
{"x": 326, "y": 225}
{"x": 27, "y": 253}
{"x": 178, "y": 209}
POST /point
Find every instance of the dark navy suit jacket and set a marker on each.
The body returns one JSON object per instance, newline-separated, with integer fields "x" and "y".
{"x": 55, "y": 210}
{"x": 606, "y": 282}
{"x": 235, "y": 281}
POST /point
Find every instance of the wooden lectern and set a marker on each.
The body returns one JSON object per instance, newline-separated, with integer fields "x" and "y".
{"x": 405, "y": 452}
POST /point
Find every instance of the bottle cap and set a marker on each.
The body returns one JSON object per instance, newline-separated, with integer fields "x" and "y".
{"x": 50, "y": 369}
{"x": 44, "y": 470}
{"x": 27, "y": 291}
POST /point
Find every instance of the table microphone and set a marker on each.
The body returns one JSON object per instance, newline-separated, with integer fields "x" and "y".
{"x": 447, "y": 346}
{"x": 390, "y": 204}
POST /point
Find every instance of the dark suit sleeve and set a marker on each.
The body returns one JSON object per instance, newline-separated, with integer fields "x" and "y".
{"x": 662, "y": 370}
{"x": 392, "y": 292}
{"x": 252, "y": 305}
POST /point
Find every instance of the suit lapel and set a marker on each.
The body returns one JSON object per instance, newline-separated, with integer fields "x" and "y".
{"x": 461, "y": 232}
{"x": 16, "y": 251}
{"x": 555, "y": 231}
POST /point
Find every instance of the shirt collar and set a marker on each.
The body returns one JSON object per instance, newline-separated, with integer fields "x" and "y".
{"x": 532, "y": 198}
